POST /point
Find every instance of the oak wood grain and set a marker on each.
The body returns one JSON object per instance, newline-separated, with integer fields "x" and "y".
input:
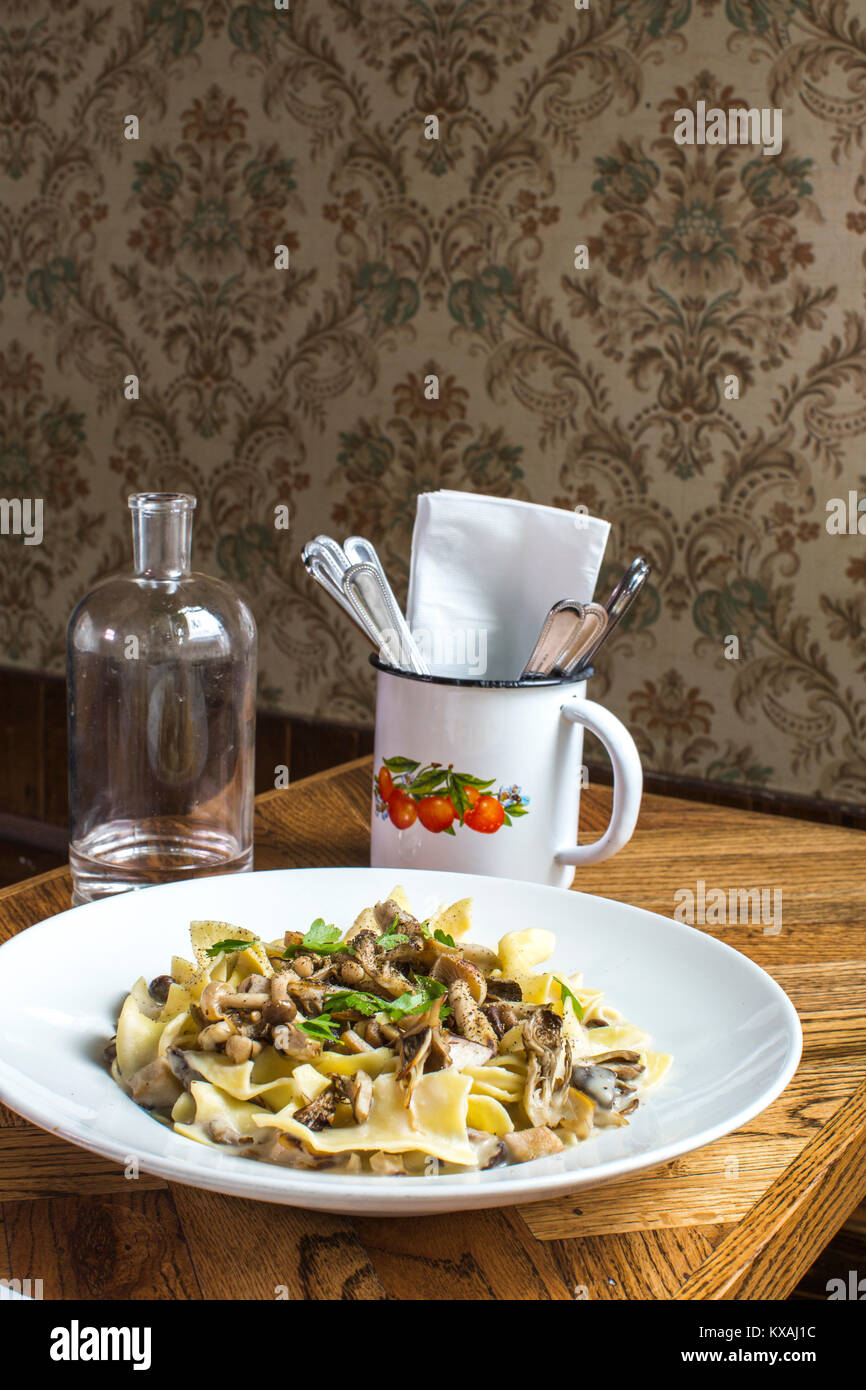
{"x": 35, "y": 1164}
{"x": 697, "y": 1225}
{"x": 124, "y": 1247}
{"x": 275, "y": 1252}
{"x": 816, "y": 1192}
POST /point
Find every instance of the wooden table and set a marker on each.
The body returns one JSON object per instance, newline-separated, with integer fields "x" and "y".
{"x": 743, "y": 1218}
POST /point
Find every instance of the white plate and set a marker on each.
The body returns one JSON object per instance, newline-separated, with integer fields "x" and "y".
{"x": 733, "y": 1032}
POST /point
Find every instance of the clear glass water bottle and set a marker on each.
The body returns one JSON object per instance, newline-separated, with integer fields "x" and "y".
{"x": 161, "y": 668}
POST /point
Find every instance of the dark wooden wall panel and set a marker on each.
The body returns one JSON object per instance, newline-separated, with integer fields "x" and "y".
{"x": 22, "y": 745}
{"x": 33, "y": 792}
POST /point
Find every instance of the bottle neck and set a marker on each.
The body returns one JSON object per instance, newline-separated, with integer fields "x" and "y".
{"x": 161, "y": 534}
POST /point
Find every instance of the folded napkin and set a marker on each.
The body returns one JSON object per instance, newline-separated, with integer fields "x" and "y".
{"x": 485, "y": 570}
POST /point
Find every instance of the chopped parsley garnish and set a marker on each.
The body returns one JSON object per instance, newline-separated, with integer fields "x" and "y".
{"x": 438, "y": 935}
{"x": 412, "y": 1001}
{"x": 323, "y": 1028}
{"x": 390, "y": 939}
{"x": 416, "y": 1001}
{"x": 220, "y": 948}
{"x": 566, "y": 994}
{"x": 355, "y": 999}
{"x": 322, "y": 938}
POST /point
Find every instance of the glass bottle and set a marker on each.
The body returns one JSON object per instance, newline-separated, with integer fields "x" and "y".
{"x": 161, "y": 669}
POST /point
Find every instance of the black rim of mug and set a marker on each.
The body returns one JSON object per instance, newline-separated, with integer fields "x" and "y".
{"x": 529, "y": 683}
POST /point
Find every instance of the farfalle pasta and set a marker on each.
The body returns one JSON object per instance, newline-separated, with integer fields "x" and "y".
{"x": 397, "y": 1047}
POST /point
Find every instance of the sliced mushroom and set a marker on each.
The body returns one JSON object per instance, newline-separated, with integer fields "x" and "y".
{"x": 625, "y": 1104}
{"x": 604, "y": 1079}
{"x": 505, "y": 991}
{"x": 293, "y": 1042}
{"x": 154, "y": 1086}
{"x": 372, "y": 1032}
{"x": 389, "y": 913}
{"x": 285, "y": 1149}
{"x": 309, "y": 993}
{"x": 182, "y": 1068}
{"x": 222, "y": 1131}
{"x": 414, "y": 947}
{"x": 320, "y": 1111}
{"x": 469, "y": 1021}
{"x": 379, "y": 969}
{"x": 548, "y": 1074}
{"x": 463, "y": 1053}
{"x": 526, "y": 1144}
{"x": 387, "y": 1165}
{"x": 599, "y": 1083}
{"x": 625, "y": 1062}
{"x": 439, "y": 1056}
{"x": 450, "y": 970}
{"x": 412, "y": 1052}
{"x": 504, "y": 1016}
{"x": 358, "y": 1091}
{"x": 353, "y": 1042}
{"x": 489, "y": 1148}
{"x": 482, "y": 956}
{"x": 421, "y": 948}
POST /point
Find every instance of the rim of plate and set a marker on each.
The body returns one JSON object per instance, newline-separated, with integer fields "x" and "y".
{"x": 340, "y": 1192}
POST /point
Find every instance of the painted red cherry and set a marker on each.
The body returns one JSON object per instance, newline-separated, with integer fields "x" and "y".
{"x": 436, "y": 813}
{"x": 486, "y": 816}
{"x": 386, "y": 784}
{"x": 402, "y": 810}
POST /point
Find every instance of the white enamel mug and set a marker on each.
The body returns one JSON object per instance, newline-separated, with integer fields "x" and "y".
{"x": 508, "y": 755}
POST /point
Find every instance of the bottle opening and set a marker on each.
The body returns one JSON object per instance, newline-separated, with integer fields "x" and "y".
{"x": 161, "y": 533}
{"x": 162, "y": 502}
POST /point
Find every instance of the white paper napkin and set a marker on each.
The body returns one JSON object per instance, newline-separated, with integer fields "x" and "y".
{"x": 485, "y": 570}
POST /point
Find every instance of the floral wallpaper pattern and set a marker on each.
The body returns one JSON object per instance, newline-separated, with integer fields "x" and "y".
{"x": 600, "y": 387}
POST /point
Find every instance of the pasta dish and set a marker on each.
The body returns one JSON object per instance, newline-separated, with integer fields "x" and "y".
{"x": 397, "y": 1047}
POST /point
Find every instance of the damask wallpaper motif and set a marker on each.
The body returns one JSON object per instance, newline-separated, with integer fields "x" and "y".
{"x": 600, "y": 387}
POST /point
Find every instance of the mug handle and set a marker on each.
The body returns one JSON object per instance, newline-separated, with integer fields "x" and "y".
{"x": 627, "y": 781}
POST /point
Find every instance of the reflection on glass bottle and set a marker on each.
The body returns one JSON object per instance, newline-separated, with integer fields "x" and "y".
{"x": 161, "y": 677}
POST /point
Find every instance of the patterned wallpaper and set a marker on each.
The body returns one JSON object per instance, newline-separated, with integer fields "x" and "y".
{"x": 601, "y": 387}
